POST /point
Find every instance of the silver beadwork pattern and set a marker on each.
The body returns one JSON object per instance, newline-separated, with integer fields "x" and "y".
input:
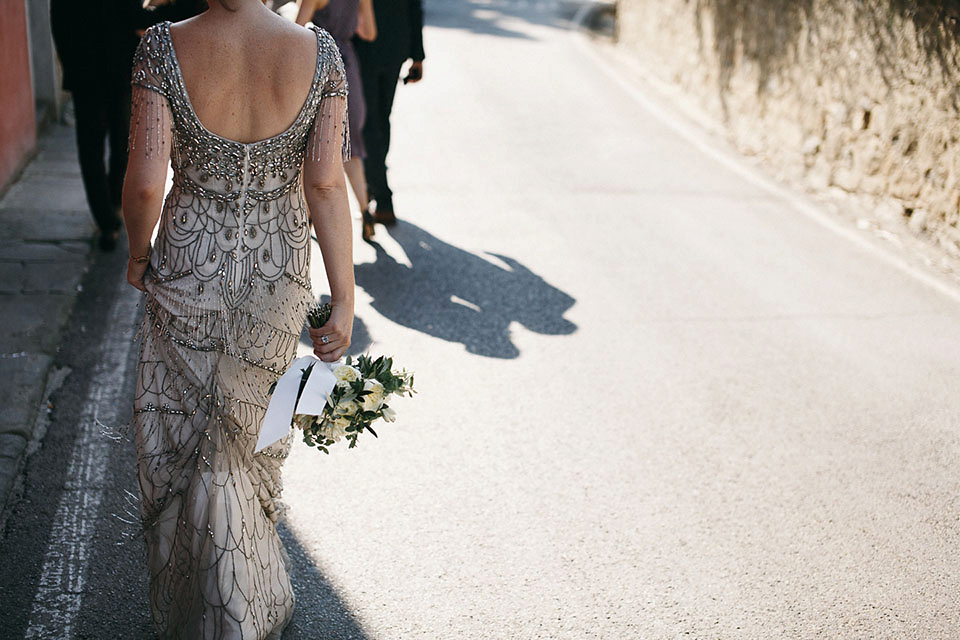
{"x": 228, "y": 289}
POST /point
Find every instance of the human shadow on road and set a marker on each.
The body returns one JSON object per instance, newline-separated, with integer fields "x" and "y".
{"x": 118, "y": 607}
{"x": 319, "y": 612}
{"x": 457, "y": 296}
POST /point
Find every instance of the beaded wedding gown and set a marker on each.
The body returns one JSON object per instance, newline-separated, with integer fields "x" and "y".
{"x": 228, "y": 289}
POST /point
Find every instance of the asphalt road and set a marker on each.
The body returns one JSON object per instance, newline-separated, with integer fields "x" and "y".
{"x": 656, "y": 398}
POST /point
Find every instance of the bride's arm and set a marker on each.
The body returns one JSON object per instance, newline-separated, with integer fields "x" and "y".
{"x": 143, "y": 185}
{"x": 325, "y": 190}
{"x": 366, "y": 21}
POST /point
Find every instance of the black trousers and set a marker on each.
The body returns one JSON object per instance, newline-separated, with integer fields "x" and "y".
{"x": 379, "y": 88}
{"x": 102, "y": 114}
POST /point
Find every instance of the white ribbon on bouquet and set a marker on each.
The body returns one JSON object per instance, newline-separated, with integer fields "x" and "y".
{"x": 283, "y": 403}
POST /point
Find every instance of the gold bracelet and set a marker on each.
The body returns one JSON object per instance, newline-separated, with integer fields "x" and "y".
{"x": 141, "y": 259}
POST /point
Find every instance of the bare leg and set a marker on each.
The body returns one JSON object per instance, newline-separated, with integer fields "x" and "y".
{"x": 358, "y": 181}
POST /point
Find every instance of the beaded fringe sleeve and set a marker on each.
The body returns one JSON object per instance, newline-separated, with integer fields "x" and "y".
{"x": 330, "y": 135}
{"x": 150, "y": 125}
{"x": 227, "y": 292}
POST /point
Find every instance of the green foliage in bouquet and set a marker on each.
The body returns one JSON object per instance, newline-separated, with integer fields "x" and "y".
{"x": 357, "y": 400}
{"x": 318, "y": 315}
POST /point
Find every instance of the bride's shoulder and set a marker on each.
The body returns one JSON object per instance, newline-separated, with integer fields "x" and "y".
{"x": 152, "y": 59}
{"x": 297, "y": 38}
{"x": 327, "y": 48}
{"x": 321, "y": 34}
{"x": 155, "y": 36}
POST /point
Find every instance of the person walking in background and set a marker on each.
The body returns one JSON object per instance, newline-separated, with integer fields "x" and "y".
{"x": 401, "y": 39}
{"x": 344, "y": 19}
{"x": 95, "y": 41}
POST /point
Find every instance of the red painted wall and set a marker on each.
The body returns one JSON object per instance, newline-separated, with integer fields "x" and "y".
{"x": 18, "y": 129}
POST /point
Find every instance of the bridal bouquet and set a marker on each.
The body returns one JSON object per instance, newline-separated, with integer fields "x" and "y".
{"x": 333, "y": 401}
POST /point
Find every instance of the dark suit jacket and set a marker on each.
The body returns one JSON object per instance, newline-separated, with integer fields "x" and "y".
{"x": 96, "y": 39}
{"x": 399, "y": 35}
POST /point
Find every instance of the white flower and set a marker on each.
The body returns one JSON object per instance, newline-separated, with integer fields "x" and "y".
{"x": 345, "y": 374}
{"x": 346, "y": 408}
{"x": 336, "y": 429}
{"x": 373, "y": 400}
{"x": 388, "y": 414}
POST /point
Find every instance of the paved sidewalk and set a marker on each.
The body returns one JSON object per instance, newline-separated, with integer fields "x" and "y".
{"x": 45, "y": 249}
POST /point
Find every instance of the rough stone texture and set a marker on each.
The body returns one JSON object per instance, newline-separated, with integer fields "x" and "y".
{"x": 25, "y": 251}
{"x": 11, "y": 277}
{"x": 33, "y": 322}
{"x": 9, "y": 480}
{"x": 54, "y": 277}
{"x": 12, "y": 446}
{"x": 862, "y": 96}
{"x": 44, "y": 191}
{"x": 20, "y": 394}
{"x": 44, "y": 253}
{"x": 53, "y": 225}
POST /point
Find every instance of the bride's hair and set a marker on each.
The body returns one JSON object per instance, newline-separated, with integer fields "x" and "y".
{"x": 230, "y": 5}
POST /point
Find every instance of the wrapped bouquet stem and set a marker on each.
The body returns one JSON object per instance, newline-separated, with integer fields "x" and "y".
{"x": 330, "y": 402}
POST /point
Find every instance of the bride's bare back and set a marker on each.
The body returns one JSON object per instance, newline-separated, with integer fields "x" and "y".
{"x": 247, "y": 71}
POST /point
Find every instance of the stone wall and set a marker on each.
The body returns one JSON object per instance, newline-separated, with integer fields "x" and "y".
{"x": 17, "y": 125}
{"x": 863, "y": 96}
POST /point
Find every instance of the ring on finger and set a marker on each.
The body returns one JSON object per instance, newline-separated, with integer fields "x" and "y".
{"x": 324, "y": 339}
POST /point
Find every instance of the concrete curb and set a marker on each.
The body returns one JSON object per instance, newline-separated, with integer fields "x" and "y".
{"x": 44, "y": 252}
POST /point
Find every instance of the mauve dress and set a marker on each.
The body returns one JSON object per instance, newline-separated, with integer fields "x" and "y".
{"x": 339, "y": 19}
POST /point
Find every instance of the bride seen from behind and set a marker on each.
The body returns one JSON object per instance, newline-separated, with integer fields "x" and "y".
{"x": 250, "y": 111}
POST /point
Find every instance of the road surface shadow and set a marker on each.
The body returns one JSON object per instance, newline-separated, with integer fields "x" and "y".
{"x": 115, "y": 600}
{"x": 320, "y": 613}
{"x": 492, "y": 18}
{"x": 115, "y": 603}
{"x": 454, "y": 295}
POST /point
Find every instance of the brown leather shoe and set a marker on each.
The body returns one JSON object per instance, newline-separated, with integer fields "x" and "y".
{"x": 385, "y": 217}
{"x": 366, "y": 227}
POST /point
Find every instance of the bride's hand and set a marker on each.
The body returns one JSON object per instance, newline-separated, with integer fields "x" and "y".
{"x": 331, "y": 340}
{"x": 135, "y": 271}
